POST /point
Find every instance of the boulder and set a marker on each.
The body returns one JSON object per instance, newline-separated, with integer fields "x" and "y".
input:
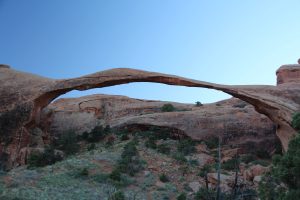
{"x": 195, "y": 186}
{"x": 257, "y": 180}
{"x": 255, "y": 170}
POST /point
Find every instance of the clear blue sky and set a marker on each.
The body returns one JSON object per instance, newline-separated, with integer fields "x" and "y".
{"x": 230, "y": 42}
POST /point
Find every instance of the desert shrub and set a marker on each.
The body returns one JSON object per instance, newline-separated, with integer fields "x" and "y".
{"x": 124, "y": 137}
{"x": 261, "y": 162}
{"x": 96, "y": 134}
{"x": 122, "y": 131}
{"x": 163, "y": 148}
{"x": 186, "y": 146}
{"x": 296, "y": 121}
{"x": 205, "y": 170}
{"x": 247, "y": 158}
{"x": 164, "y": 178}
{"x": 181, "y": 196}
{"x": 205, "y": 194}
{"x": 110, "y": 141}
{"x": 269, "y": 188}
{"x": 278, "y": 147}
{"x": 91, "y": 147}
{"x": 263, "y": 154}
{"x": 229, "y": 164}
{"x": 130, "y": 162}
{"x": 101, "y": 178}
{"x": 241, "y": 104}
{"x": 117, "y": 196}
{"x": 285, "y": 169}
{"x": 151, "y": 143}
{"x": 198, "y": 104}
{"x": 115, "y": 175}
{"x": 194, "y": 162}
{"x": 276, "y": 159}
{"x": 156, "y": 133}
{"x": 168, "y": 108}
{"x": 292, "y": 195}
{"x": 212, "y": 142}
{"x": 67, "y": 142}
{"x": 82, "y": 172}
{"x": 48, "y": 157}
{"x": 179, "y": 157}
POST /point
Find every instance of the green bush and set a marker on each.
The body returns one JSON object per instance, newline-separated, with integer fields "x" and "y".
{"x": 194, "y": 162}
{"x": 163, "y": 148}
{"x": 181, "y": 196}
{"x": 151, "y": 143}
{"x": 296, "y": 121}
{"x": 101, "y": 178}
{"x": 212, "y": 142}
{"x": 67, "y": 142}
{"x": 205, "y": 194}
{"x": 91, "y": 147}
{"x": 198, "y": 104}
{"x": 285, "y": 169}
{"x": 241, "y": 104}
{"x": 83, "y": 172}
{"x": 229, "y": 164}
{"x": 48, "y": 157}
{"x": 247, "y": 158}
{"x": 179, "y": 157}
{"x": 164, "y": 178}
{"x": 269, "y": 188}
{"x": 117, "y": 196}
{"x": 156, "y": 133}
{"x": 168, "y": 108}
{"x": 96, "y": 134}
{"x": 205, "y": 170}
{"x": 130, "y": 162}
{"x": 124, "y": 137}
{"x": 263, "y": 154}
{"x": 186, "y": 146}
{"x": 292, "y": 195}
{"x": 115, "y": 175}
{"x": 260, "y": 162}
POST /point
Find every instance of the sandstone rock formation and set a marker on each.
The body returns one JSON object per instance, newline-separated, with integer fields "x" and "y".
{"x": 234, "y": 120}
{"x": 23, "y": 96}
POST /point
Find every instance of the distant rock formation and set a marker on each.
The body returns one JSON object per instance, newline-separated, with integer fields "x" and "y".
{"x": 234, "y": 120}
{"x": 24, "y": 95}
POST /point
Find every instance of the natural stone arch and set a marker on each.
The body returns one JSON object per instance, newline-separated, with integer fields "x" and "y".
{"x": 27, "y": 94}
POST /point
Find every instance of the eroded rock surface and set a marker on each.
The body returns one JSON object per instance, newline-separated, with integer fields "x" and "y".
{"x": 23, "y": 95}
{"x": 234, "y": 120}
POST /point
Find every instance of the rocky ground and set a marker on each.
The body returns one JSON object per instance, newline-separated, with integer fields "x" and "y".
{"x": 164, "y": 168}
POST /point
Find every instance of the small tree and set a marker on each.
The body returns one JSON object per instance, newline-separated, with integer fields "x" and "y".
{"x": 286, "y": 169}
{"x": 296, "y": 121}
{"x": 48, "y": 157}
{"x": 181, "y": 196}
{"x": 68, "y": 143}
{"x": 198, "y": 104}
{"x": 203, "y": 173}
{"x": 168, "y": 108}
{"x": 163, "y": 178}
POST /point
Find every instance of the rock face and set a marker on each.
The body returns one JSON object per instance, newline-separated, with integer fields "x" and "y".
{"x": 234, "y": 120}
{"x": 24, "y": 95}
{"x": 288, "y": 74}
